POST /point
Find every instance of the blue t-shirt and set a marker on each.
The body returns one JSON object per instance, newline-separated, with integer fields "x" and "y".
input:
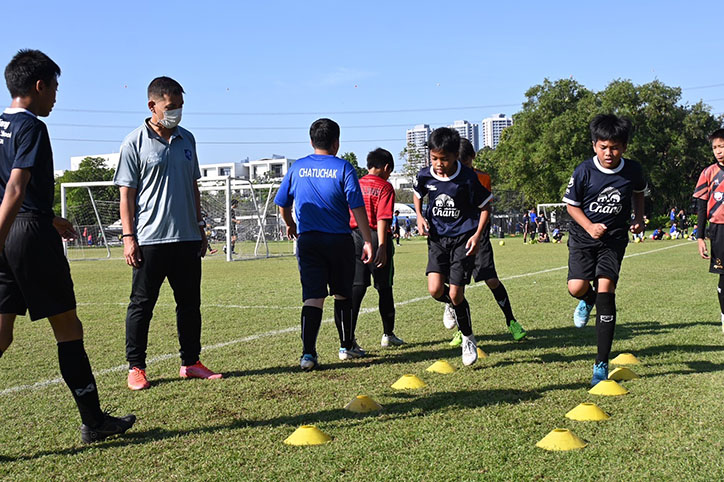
{"x": 323, "y": 189}
{"x": 25, "y": 144}
{"x": 454, "y": 202}
{"x": 604, "y": 195}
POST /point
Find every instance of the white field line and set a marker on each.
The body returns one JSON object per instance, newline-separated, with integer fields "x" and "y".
{"x": 156, "y": 359}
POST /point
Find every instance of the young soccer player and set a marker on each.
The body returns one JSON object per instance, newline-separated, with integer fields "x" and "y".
{"x": 599, "y": 198}
{"x": 323, "y": 188}
{"x": 34, "y": 274}
{"x": 709, "y": 193}
{"x": 455, "y": 218}
{"x": 484, "y": 262}
{"x": 379, "y": 198}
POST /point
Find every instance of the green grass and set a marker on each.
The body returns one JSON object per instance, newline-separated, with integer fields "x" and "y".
{"x": 480, "y": 423}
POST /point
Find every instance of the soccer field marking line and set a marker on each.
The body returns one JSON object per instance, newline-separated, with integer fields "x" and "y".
{"x": 167, "y": 356}
{"x": 203, "y": 305}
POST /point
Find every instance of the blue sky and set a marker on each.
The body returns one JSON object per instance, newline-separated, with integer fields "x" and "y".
{"x": 256, "y": 74}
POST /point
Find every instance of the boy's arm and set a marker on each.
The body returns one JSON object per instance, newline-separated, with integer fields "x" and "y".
{"x": 131, "y": 251}
{"x": 638, "y": 209}
{"x": 12, "y": 201}
{"x": 360, "y": 215}
{"x": 422, "y": 225}
{"x": 381, "y": 256}
{"x": 474, "y": 241}
{"x": 701, "y": 227}
{"x": 286, "y": 213}
{"x": 596, "y": 230}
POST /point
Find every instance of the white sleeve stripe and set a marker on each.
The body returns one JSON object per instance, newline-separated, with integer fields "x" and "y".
{"x": 487, "y": 200}
{"x": 417, "y": 194}
{"x": 571, "y": 202}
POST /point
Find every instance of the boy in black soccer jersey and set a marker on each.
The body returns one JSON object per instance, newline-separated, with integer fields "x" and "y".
{"x": 34, "y": 274}
{"x": 455, "y": 218}
{"x": 709, "y": 193}
{"x": 599, "y": 198}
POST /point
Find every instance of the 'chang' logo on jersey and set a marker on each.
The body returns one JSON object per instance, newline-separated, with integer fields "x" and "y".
{"x": 607, "y": 202}
{"x": 445, "y": 207}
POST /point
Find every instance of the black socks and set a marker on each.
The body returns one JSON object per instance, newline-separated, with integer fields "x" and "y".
{"x": 311, "y": 321}
{"x": 445, "y": 297}
{"x": 387, "y": 310}
{"x": 720, "y": 289}
{"x": 343, "y": 320}
{"x": 501, "y": 296}
{"x": 76, "y": 371}
{"x": 589, "y": 296}
{"x": 462, "y": 312}
{"x": 605, "y": 324}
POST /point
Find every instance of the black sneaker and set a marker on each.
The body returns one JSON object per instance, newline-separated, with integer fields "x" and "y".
{"x": 110, "y": 426}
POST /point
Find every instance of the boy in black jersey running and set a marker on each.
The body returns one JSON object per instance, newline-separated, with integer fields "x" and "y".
{"x": 34, "y": 274}
{"x": 599, "y": 198}
{"x": 455, "y": 218}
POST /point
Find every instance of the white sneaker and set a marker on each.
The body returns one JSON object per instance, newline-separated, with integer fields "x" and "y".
{"x": 470, "y": 350}
{"x": 449, "y": 318}
{"x": 388, "y": 340}
{"x": 345, "y": 354}
{"x": 722, "y": 322}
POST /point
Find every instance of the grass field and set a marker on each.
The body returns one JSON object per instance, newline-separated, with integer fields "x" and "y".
{"x": 479, "y": 423}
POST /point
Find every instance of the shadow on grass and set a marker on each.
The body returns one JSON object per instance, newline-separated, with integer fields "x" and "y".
{"x": 410, "y": 406}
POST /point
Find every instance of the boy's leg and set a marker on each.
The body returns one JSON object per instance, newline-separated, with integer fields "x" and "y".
{"x": 7, "y": 324}
{"x": 361, "y": 277}
{"x": 313, "y": 275}
{"x": 462, "y": 309}
{"x": 605, "y": 318}
{"x": 311, "y": 321}
{"x": 383, "y": 284}
{"x": 720, "y": 290}
{"x": 340, "y": 264}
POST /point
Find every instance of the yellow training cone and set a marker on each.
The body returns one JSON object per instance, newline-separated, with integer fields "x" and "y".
{"x": 561, "y": 439}
{"x": 307, "y": 435}
{"x": 587, "y": 411}
{"x": 622, "y": 373}
{"x": 440, "y": 366}
{"x": 362, "y": 404}
{"x": 408, "y": 382}
{"x": 481, "y": 353}
{"x": 608, "y": 387}
{"x": 625, "y": 359}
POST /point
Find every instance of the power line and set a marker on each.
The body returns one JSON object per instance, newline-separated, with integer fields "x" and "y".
{"x": 236, "y": 128}
{"x": 116, "y": 141}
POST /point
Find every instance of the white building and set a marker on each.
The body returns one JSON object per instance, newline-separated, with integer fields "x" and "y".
{"x": 492, "y": 127}
{"x": 400, "y": 180}
{"x": 110, "y": 160}
{"x": 273, "y": 168}
{"x": 223, "y": 169}
{"x": 468, "y": 131}
{"x": 417, "y": 144}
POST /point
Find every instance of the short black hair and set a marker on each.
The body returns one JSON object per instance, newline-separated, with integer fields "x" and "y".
{"x": 161, "y": 86}
{"x": 608, "y": 127}
{"x": 717, "y": 134}
{"x": 324, "y": 133}
{"x": 467, "y": 151}
{"x": 26, "y": 68}
{"x": 444, "y": 139}
{"x": 379, "y": 158}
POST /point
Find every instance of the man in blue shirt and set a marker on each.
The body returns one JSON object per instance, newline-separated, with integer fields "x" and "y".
{"x": 164, "y": 233}
{"x": 34, "y": 273}
{"x": 323, "y": 188}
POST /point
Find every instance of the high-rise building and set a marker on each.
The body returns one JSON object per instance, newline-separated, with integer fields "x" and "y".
{"x": 492, "y": 127}
{"x": 418, "y": 155}
{"x": 468, "y": 131}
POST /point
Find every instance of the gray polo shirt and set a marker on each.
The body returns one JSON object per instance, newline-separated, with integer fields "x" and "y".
{"x": 164, "y": 174}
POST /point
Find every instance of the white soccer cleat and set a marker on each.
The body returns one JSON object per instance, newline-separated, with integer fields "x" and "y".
{"x": 449, "y": 318}
{"x": 391, "y": 340}
{"x": 470, "y": 350}
{"x": 722, "y": 322}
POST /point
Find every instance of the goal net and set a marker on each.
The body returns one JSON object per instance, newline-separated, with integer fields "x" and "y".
{"x": 556, "y": 217}
{"x": 241, "y": 217}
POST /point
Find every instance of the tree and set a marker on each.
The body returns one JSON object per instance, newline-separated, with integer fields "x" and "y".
{"x": 412, "y": 161}
{"x": 550, "y": 137}
{"x": 90, "y": 169}
{"x": 351, "y": 157}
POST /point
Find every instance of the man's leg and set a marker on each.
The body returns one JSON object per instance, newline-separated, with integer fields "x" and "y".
{"x": 7, "y": 324}
{"x": 184, "y": 277}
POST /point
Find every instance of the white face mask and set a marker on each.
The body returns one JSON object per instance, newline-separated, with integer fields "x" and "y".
{"x": 171, "y": 118}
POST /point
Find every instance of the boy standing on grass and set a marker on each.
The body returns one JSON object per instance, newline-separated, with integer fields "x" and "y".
{"x": 323, "y": 189}
{"x": 709, "y": 193}
{"x": 379, "y": 198}
{"x": 484, "y": 263}
{"x": 457, "y": 213}
{"x": 599, "y": 198}
{"x": 34, "y": 273}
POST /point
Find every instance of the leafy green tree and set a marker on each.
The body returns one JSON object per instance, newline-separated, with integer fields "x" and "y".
{"x": 412, "y": 160}
{"x": 90, "y": 169}
{"x": 351, "y": 157}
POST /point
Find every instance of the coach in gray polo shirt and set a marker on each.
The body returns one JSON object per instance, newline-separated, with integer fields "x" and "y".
{"x": 163, "y": 230}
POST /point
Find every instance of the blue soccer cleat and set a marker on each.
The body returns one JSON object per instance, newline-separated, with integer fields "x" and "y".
{"x": 308, "y": 362}
{"x": 600, "y": 373}
{"x": 582, "y": 313}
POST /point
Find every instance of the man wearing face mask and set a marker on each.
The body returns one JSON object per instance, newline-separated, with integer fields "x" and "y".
{"x": 164, "y": 233}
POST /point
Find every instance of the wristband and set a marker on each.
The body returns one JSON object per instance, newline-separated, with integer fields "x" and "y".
{"x": 128, "y": 235}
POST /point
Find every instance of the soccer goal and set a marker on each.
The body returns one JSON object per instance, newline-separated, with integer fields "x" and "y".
{"x": 241, "y": 217}
{"x": 556, "y": 216}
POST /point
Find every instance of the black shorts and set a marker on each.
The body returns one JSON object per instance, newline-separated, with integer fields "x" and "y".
{"x": 596, "y": 258}
{"x": 363, "y": 272}
{"x": 716, "y": 257}
{"x": 34, "y": 274}
{"x": 484, "y": 262}
{"x": 446, "y": 255}
{"x": 325, "y": 260}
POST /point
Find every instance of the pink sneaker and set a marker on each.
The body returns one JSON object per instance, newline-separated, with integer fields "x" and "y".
{"x": 197, "y": 370}
{"x": 137, "y": 379}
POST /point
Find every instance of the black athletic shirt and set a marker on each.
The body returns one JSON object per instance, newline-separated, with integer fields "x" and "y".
{"x": 25, "y": 144}
{"x": 454, "y": 202}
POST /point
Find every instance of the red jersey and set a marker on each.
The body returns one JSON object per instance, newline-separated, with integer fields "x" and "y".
{"x": 484, "y": 179}
{"x": 710, "y": 188}
{"x": 379, "y": 197}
